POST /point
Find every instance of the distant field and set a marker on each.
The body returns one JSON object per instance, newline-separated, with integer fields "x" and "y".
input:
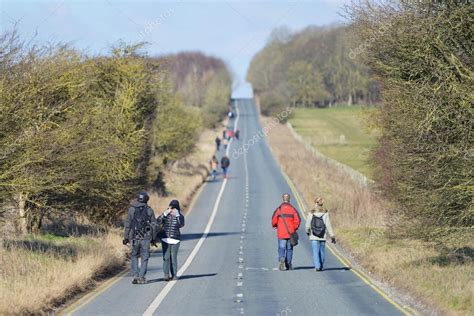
{"x": 339, "y": 133}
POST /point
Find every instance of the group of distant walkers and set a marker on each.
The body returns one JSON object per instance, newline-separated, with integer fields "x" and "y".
{"x": 227, "y": 135}
{"x": 286, "y": 220}
{"x": 142, "y": 230}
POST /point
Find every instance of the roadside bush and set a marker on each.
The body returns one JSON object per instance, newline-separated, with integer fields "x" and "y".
{"x": 427, "y": 119}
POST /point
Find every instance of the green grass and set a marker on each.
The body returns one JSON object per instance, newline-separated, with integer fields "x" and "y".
{"x": 340, "y": 133}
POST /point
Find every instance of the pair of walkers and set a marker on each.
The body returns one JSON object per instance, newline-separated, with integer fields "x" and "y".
{"x": 286, "y": 220}
{"x": 142, "y": 230}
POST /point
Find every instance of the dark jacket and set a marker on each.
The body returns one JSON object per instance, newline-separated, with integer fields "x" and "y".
{"x": 291, "y": 217}
{"x": 171, "y": 225}
{"x": 225, "y": 162}
{"x": 129, "y": 232}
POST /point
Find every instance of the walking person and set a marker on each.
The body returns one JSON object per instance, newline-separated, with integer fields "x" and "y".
{"x": 318, "y": 227}
{"x": 230, "y": 134}
{"x": 171, "y": 220}
{"x": 286, "y": 220}
{"x": 237, "y": 134}
{"x": 225, "y": 163}
{"x": 218, "y": 143}
{"x": 214, "y": 164}
{"x": 224, "y": 134}
{"x": 225, "y": 142}
{"x": 140, "y": 230}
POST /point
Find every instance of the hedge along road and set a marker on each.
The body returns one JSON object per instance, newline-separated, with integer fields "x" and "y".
{"x": 228, "y": 255}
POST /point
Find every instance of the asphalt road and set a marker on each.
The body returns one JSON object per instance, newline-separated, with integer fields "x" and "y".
{"x": 228, "y": 256}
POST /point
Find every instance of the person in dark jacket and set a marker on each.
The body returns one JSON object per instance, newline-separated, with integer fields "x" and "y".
{"x": 140, "y": 230}
{"x": 171, "y": 220}
{"x": 225, "y": 163}
{"x": 285, "y": 213}
{"x": 218, "y": 143}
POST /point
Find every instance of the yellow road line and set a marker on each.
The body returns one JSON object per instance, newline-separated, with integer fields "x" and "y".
{"x": 347, "y": 263}
{"x": 90, "y": 296}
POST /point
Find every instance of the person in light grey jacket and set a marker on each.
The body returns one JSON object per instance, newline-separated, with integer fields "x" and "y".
{"x": 318, "y": 228}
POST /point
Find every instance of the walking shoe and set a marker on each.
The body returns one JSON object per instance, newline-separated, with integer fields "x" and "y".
{"x": 135, "y": 280}
{"x": 142, "y": 280}
{"x": 175, "y": 278}
{"x": 289, "y": 267}
{"x": 167, "y": 278}
{"x": 281, "y": 266}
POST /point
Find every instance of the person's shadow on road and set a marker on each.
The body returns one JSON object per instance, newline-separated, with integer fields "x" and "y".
{"x": 325, "y": 269}
{"x": 184, "y": 277}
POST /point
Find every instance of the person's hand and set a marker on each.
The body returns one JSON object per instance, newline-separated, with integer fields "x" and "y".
{"x": 153, "y": 243}
{"x": 333, "y": 240}
{"x": 125, "y": 241}
{"x": 166, "y": 212}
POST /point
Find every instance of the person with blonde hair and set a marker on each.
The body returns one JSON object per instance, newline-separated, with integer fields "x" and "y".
{"x": 318, "y": 227}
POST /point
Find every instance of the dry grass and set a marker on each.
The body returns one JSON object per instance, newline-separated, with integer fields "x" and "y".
{"x": 444, "y": 281}
{"x": 185, "y": 177}
{"x": 40, "y": 272}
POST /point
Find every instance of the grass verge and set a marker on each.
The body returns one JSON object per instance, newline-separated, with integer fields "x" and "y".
{"x": 439, "y": 278}
{"x": 187, "y": 175}
{"x": 40, "y": 272}
{"x": 339, "y": 133}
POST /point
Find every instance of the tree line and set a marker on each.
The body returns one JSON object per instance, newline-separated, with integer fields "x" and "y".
{"x": 80, "y": 134}
{"x": 312, "y": 67}
{"x": 424, "y": 60}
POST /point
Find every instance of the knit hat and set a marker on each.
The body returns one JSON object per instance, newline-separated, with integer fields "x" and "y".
{"x": 175, "y": 204}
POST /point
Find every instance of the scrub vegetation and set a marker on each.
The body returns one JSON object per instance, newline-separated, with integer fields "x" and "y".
{"x": 80, "y": 135}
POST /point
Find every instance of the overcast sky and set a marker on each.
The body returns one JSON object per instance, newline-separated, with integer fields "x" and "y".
{"x": 232, "y": 30}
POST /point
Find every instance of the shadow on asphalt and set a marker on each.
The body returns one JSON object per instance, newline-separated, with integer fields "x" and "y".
{"x": 325, "y": 269}
{"x": 184, "y": 277}
{"x": 190, "y": 236}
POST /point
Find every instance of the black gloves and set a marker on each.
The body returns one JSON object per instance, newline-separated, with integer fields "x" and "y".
{"x": 333, "y": 240}
{"x": 125, "y": 241}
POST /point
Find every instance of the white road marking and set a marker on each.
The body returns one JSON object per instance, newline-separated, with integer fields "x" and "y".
{"x": 161, "y": 296}
{"x": 240, "y": 283}
{"x": 240, "y": 295}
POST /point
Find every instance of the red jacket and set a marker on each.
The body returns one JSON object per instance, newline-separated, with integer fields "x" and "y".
{"x": 288, "y": 214}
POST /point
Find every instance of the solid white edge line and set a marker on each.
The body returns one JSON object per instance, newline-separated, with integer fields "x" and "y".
{"x": 164, "y": 292}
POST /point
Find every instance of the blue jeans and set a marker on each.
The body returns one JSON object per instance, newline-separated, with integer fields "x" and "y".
{"x": 318, "y": 253}
{"x": 140, "y": 248}
{"x": 224, "y": 171}
{"x": 285, "y": 250}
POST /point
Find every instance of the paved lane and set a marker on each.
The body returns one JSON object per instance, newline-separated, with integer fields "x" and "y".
{"x": 234, "y": 272}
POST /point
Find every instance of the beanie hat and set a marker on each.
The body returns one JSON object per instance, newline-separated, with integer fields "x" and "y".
{"x": 175, "y": 204}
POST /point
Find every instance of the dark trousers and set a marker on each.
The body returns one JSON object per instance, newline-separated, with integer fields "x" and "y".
{"x": 170, "y": 258}
{"x": 140, "y": 247}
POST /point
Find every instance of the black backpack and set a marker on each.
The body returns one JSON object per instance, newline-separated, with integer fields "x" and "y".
{"x": 140, "y": 222}
{"x": 317, "y": 226}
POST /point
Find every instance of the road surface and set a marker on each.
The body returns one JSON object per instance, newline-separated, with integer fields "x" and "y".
{"x": 228, "y": 256}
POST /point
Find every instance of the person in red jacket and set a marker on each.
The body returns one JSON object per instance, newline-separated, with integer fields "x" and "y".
{"x": 287, "y": 213}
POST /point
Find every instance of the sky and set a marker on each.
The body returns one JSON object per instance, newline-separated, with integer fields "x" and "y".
{"x": 232, "y": 30}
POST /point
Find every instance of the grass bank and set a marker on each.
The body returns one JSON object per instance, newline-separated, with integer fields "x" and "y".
{"x": 40, "y": 272}
{"x": 339, "y": 133}
{"x": 185, "y": 176}
{"x": 435, "y": 278}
